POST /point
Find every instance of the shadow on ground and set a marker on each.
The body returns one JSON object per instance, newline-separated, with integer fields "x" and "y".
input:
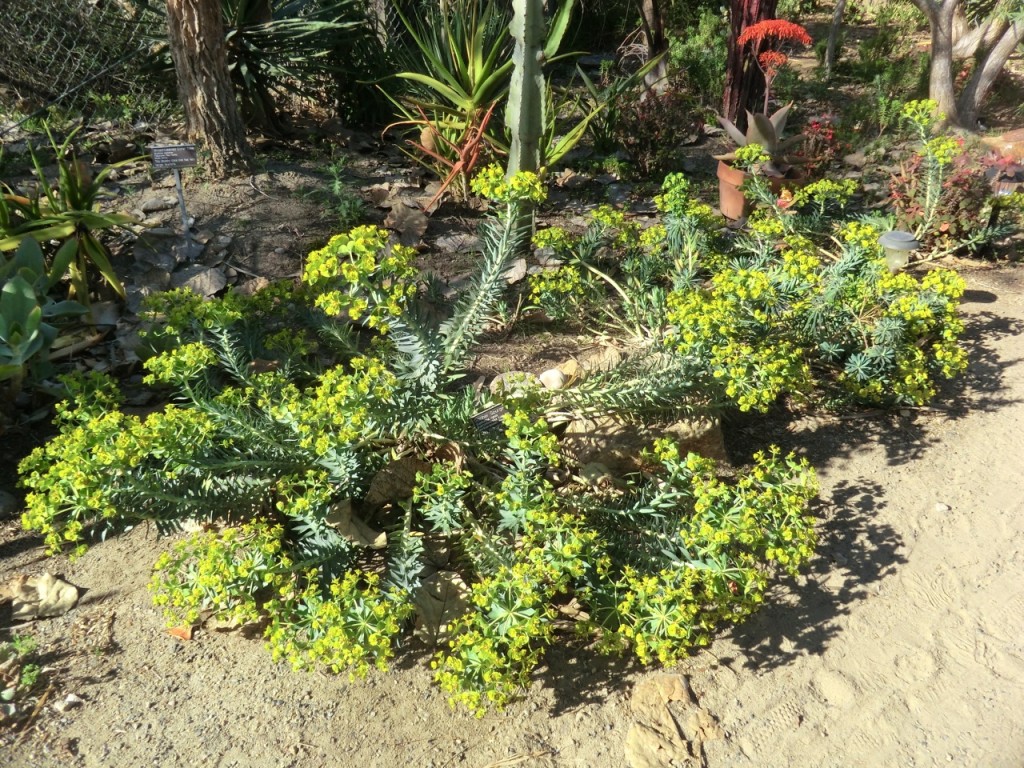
{"x": 855, "y": 554}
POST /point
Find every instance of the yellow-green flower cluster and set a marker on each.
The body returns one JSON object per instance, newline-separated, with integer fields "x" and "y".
{"x": 860, "y": 234}
{"x": 221, "y": 573}
{"x": 180, "y": 366}
{"x": 76, "y": 479}
{"x": 622, "y": 231}
{"x": 731, "y": 328}
{"x": 943, "y": 149}
{"x": 522, "y": 187}
{"x": 727, "y": 532}
{"x": 352, "y": 628}
{"x": 181, "y": 312}
{"x": 356, "y": 274}
{"x": 499, "y": 641}
{"x": 556, "y": 238}
{"x": 560, "y": 292}
{"x": 825, "y": 191}
{"x": 751, "y": 155}
{"x": 921, "y": 113}
{"x": 343, "y": 408}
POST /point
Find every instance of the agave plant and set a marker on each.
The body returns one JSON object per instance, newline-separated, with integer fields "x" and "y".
{"x": 765, "y": 131}
{"x": 69, "y": 212}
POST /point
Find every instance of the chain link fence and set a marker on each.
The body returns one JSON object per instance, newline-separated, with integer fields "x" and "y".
{"x": 92, "y": 58}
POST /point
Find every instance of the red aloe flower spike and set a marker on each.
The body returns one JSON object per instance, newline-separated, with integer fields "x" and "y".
{"x": 774, "y": 29}
{"x": 776, "y": 32}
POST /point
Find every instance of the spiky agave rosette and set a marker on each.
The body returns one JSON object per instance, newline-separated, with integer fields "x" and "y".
{"x": 765, "y": 131}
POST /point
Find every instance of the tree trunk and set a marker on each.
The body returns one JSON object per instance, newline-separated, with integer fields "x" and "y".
{"x": 833, "y": 37}
{"x": 196, "y": 35}
{"x": 940, "y": 15}
{"x": 744, "y": 82}
{"x": 985, "y": 73}
{"x": 653, "y": 19}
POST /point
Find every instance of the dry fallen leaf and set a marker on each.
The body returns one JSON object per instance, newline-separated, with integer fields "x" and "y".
{"x": 181, "y": 633}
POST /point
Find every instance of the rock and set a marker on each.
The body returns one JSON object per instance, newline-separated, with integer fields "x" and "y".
{"x": 379, "y": 194}
{"x": 458, "y": 242}
{"x": 68, "y": 702}
{"x": 552, "y": 379}
{"x": 409, "y": 222}
{"x": 596, "y": 475}
{"x": 571, "y": 369}
{"x": 856, "y": 159}
{"x": 1009, "y": 144}
{"x": 440, "y": 600}
{"x": 670, "y": 726}
{"x": 394, "y": 483}
{"x": 349, "y": 526}
{"x": 9, "y": 505}
{"x": 608, "y": 441}
{"x": 618, "y": 445}
{"x": 104, "y": 313}
{"x": 40, "y": 597}
{"x": 250, "y": 287}
{"x": 148, "y": 280}
{"x": 942, "y": 508}
{"x": 600, "y": 359}
{"x": 155, "y": 204}
{"x": 700, "y": 435}
{"x": 513, "y": 383}
{"x": 200, "y": 279}
{"x": 516, "y": 272}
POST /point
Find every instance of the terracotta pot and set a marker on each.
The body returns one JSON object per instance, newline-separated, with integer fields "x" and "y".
{"x": 731, "y": 200}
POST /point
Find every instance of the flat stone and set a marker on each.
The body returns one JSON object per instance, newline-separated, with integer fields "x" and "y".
{"x": 552, "y": 379}
{"x": 155, "y": 204}
{"x": 200, "y": 279}
{"x": 856, "y": 159}
{"x": 458, "y": 242}
{"x": 516, "y": 272}
{"x": 409, "y": 222}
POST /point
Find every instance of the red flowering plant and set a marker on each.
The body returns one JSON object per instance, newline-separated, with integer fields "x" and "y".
{"x": 767, "y": 39}
{"x": 821, "y": 145}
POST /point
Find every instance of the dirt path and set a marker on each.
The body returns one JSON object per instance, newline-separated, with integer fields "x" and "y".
{"x": 904, "y": 646}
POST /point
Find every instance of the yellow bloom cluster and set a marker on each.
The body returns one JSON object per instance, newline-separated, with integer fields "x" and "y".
{"x": 180, "y": 365}
{"x": 523, "y": 187}
{"x": 358, "y": 275}
{"x": 221, "y": 573}
{"x": 921, "y": 113}
{"x": 352, "y": 628}
{"x": 560, "y": 292}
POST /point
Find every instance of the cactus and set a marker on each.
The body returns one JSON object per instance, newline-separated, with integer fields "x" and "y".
{"x": 525, "y": 115}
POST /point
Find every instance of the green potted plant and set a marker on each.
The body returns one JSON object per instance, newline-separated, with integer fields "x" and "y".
{"x": 764, "y": 133}
{"x": 765, "y": 40}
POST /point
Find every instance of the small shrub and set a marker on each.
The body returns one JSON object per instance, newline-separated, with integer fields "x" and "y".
{"x": 19, "y": 676}
{"x": 941, "y": 194}
{"x": 651, "y": 129}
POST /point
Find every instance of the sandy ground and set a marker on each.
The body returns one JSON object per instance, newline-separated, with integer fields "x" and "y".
{"x": 902, "y": 646}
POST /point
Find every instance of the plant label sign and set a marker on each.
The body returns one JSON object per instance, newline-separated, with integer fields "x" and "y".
{"x": 174, "y": 156}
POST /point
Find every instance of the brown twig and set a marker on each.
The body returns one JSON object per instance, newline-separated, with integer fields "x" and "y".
{"x": 35, "y": 713}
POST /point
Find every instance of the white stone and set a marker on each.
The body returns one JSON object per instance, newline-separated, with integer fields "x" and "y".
{"x": 552, "y": 379}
